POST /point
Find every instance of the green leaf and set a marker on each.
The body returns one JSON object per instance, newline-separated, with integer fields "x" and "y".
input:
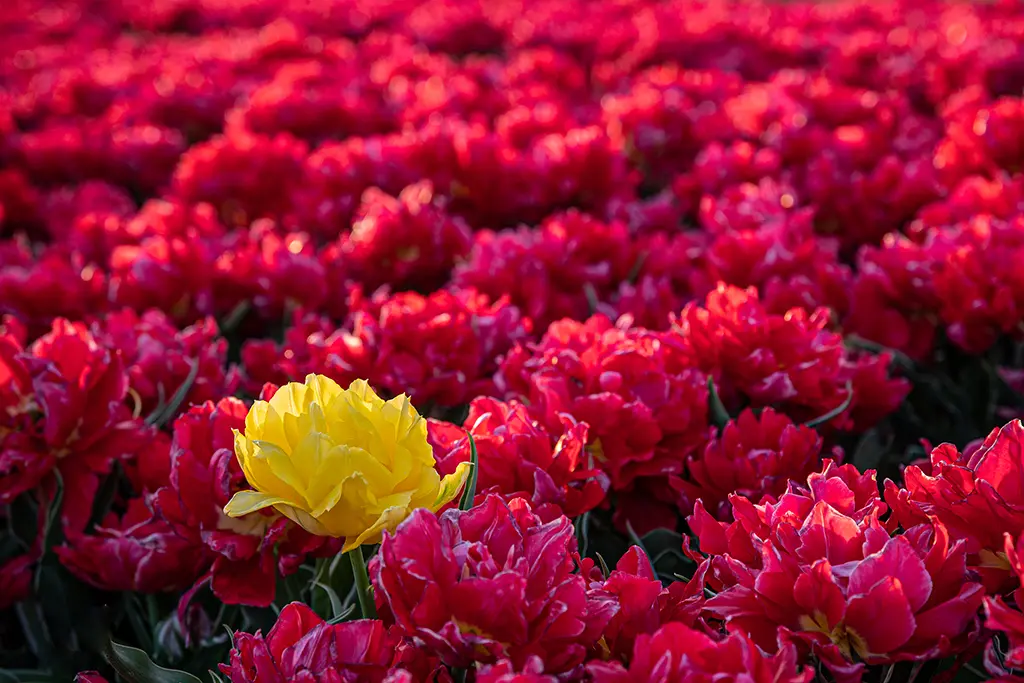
{"x": 605, "y": 571}
{"x": 717, "y": 413}
{"x": 36, "y": 633}
{"x": 215, "y": 677}
{"x": 592, "y": 300}
{"x": 234, "y": 317}
{"x": 53, "y": 513}
{"x": 160, "y": 416}
{"x": 344, "y": 615}
{"x": 470, "y": 492}
{"x": 289, "y": 589}
{"x": 135, "y": 666}
{"x": 334, "y": 575}
{"x": 23, "y": 520}
{"x": 337, "y": 606}
{"x": 583, "y": 533}
{"x": 137, "y": 618}
{"x": 835, "y": 412}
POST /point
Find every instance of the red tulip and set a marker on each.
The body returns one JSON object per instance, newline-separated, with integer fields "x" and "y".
{"x": 753, "y": 456}
{"x": 676, "y": 653}
{"x": 16, "y": 579}
{"x": 505, "y": 672}
{"x": 519, "y": 458}
{"x": 791, "y": 361}
{"x": 646, "y": 410}
{"x": 644, "y": 605}
{"x": 976, "y": 494}
{"x": 67, "y": 410}
{"x": 820, "y": 565}
{"x": 89, "y": 677}
{"x": 159, "y": 357}
{"x": 490, "y": 583}
{"x": 303, "y": 647}
{"x": 1002, "y": 617}
{"x": 133, "y": 553}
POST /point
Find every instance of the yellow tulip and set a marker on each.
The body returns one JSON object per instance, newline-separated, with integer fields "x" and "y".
{"x": 339, "y": 462}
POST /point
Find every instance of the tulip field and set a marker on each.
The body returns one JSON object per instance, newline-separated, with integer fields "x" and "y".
{"x": 511, "y": 341}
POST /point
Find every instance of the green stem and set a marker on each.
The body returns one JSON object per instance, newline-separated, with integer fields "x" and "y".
{"x": 362, "y": 581}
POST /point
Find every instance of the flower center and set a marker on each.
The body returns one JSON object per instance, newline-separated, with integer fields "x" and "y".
{"x": 845, "y": 639}
{"x": 991, "y": 560}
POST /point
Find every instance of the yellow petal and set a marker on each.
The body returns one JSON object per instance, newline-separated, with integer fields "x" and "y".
{"x": 256, "y": 418}
{"x": 308, "y": 458}
{"x": 292, "y": 398}
{"x": 324, "y": 389}
{"x": 303, "y": 519}
{"x": 257, "y": 470}
{"x": 276, "y": 474}
{"x": 244, "y": 502}
{"x": 451, "y": 486}
{"x": 388, "y": 520}
{"x": 362, "y": 391}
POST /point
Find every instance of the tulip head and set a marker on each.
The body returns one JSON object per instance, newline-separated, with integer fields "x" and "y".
{"x": 339, "y": 462}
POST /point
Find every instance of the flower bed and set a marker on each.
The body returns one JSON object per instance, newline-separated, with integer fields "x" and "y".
{"x": 405, "y": 341}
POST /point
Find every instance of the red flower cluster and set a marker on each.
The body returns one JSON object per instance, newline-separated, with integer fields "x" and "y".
{"x": 676, "y": 652}
{"x": 491, "y": 583}
{"x": 65, "y": 410}
{"x": 518, "y": 458}
{"x": 753, "y": 456}
{"x": 655, "y": 272}
{"x": 821, "y": 567}
{"x": 558, "y": 270}
{"x": 442, "y": 348}
{"x": 303, "y": 647}
{"x": 791, "y": 360}
{"x": 977, "y": 495}
{"x": 647, "y": 411}
{"x": 408, "y": 242}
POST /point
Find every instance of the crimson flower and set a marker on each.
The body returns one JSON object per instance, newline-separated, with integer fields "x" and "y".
{"x": 646, "y": 409}
{"x": 976, "y": 495}
{"x": 520, "y": 458}
{"x": 753, "y": 456}
{"x": 303, "y": 647}
{"x": 1002, "y": 617}
{"x": 506, "y": 672}
{"x": 65, "y": 410}
{"x": 791, "y": 361}
{"x": 133, "y": 552}
{"x": 405, "y": 242}
{"x": 490, "y": 583}
{"x": 819, "y": 566}
{"x": 676, "y": 653}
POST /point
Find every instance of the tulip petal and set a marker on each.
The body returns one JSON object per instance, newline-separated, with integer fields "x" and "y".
{"x": 451, "y": 486}
{"x": 388, "y": 521}
{"x": 897, "y": 559}
{"x": 244, "y": 502}
{"x": 303, "y": 519}
{"x": 324, "y": 389}
{"x": 880, "y": 621}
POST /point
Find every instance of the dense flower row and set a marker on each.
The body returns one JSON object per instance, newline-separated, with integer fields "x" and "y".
{"x": 487, "y": 296}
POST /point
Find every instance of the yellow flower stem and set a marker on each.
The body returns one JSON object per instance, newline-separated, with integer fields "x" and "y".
{"x": 363, "y": 590}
